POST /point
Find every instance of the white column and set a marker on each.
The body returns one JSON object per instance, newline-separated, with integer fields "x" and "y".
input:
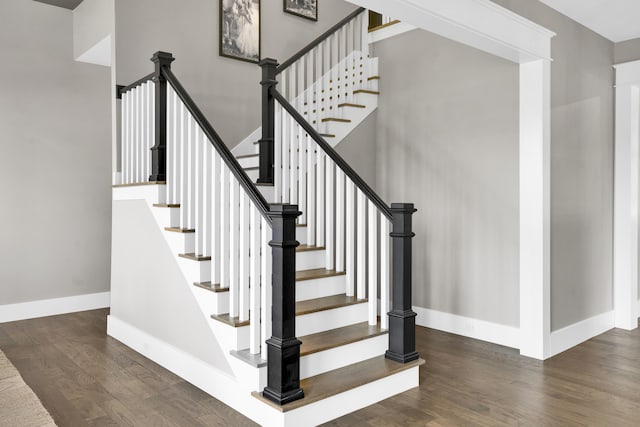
{"x": 625, "y": 222}
{"x": 535, "y": 212}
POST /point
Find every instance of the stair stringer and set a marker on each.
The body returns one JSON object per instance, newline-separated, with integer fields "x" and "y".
{"x": 147, "y": 273}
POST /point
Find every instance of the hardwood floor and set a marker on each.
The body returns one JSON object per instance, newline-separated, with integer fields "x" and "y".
{"x": 85, "y": 378}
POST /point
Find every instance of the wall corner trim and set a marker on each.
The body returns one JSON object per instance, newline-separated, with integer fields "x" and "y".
{"x": 495, "y": 333}
{"x": 53, "y": 307}
{"x": 572, "y": 335}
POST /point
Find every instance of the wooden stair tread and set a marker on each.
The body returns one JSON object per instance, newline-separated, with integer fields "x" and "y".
{"x": 333, "y": 338}
{"x": 211, "y": 287}
{"x": 327, "y": 135}
{"x": 371, "y": 92}
{"x": 195, "y": 257}
{"x": 253, "y": 168}
{"x": 343, "y": 379}
{"x": 247, "y": 156}
{"x": 316, "y": 273}
{"x": 379, "y": 27}
{"x": 301, "y": 225}
{"x": 349, "y": 104}
{"x": 166, "y": 205}
{"x": 180, "y": 230}
{"x": 374, "y": 78}
{"x": 335, "y": 119}
{"x": 307, "y": 248}
{"x": 231, "y": 321}
{"x": 137, "y": 184}
{"x": 326, "y": 303}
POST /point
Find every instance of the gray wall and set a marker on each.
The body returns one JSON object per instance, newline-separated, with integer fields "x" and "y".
{"x": 226, "y": 90}
{"x": 54, "y": 159}
{"x": 627, "y": 51}
{"x": 582, "y": 135}
{"x": 447, "y": 140}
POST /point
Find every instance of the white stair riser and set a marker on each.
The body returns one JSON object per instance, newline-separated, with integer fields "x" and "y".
{"x": 249, "y": 162}
{"x": 313, "y": 323}
{"x": 212, "y": 302}
{"x": 168, "y": 216}
{"x": 152, "y": 193}
{"x": 195, "y": 271}
{"x": 328, "y": 360}
{"x": 318, "y": 288}
{"x": 253, "y": 174}
{"x": 229, "y": 337}
{"x": 309, "y": 260}
{"x": 181, "y": 243}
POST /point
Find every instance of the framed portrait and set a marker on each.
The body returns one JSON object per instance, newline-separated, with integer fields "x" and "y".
{"x": 240, "y": 29}
{"x": 304, "y": 8}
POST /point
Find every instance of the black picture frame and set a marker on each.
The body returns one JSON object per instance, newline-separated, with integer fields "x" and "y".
{"x": 236, "y": 40}
{"x": 301, "y": 8}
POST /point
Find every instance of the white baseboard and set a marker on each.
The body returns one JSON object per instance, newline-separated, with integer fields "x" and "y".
{"x": 508, "y": 336}
{"x": 639, "y": 308}
{"x": 53, "y": 307}
{"x": 572, "y": 335}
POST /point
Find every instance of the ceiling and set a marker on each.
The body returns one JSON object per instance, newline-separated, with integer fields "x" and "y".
{"x": 67, "y": 4}
{"x": 617, "y": 20}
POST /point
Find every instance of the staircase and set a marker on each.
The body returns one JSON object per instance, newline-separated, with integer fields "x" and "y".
{"x": 287, "y": 333}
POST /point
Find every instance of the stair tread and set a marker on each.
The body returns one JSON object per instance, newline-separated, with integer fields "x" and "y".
{"x": 195, "y": 257}
{"x": 216, "y": 288}
{"x": 316, "y": 273}
{"x": 374, "y": 78}
{"x": 308, "y": 248}
{"x": 180, "y": 230}
{"x": 335, "y": 119}
{"x": 247, "y": 156}
{"x": 327, "y": 135}
{"x": 381, "y": 26}
{"x": 231, "y": 321}
{"x": 137, "y": 184}
{"x": 350, "y": 104}
{"x": 333, "y": 338}
{"x": 343, "y": 379}
{"x": 253, "y": 168}
{"x": 372, "y": 92}
{"x": 166, "y": 205}
{"x": 326, "y": 303}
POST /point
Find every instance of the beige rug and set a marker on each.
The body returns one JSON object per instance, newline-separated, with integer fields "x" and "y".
{"x": 19, "y": 406}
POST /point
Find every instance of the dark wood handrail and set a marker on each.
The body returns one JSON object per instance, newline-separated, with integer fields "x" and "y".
{"x": 220, "y": 146}
{"x": 318, "y": 40}
{"x": 135, "y": 84}
{"x": 339, "y": 161}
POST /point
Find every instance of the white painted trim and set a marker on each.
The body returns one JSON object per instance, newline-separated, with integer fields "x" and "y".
{"x": 626, "y": 195}
{"x": 535, "y": 208}
{"x": 638, "y": 309}
{"x": 481, "y": 24}
{"x": 53, "y": 307}
{"x": 566, "y": 338}
{"x": 390, "y": 31}
{"x": 508, "y": 336}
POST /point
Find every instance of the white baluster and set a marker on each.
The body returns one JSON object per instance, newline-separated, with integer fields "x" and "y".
{"x": 309, "y": 58}
{"x": 384, "y": 272}
{"x": 320, "y": 197}
{"x": 293, "y": 74}
{"x": 175, "y": 145}
{"x": 234, "y": 252}
{"x": 301, "y": 84}
{"x": 350, "y": 239}
{"x": 373, "y": 264}
{"x": 206, "y": 197}
{"x": 184, "y": 168}
{"x": 192, "y": 173}
{"x": 224, "y": 225}
{"x": 198, "y": 147}
{"x": 284, "y": 83}
{"x": 326, "y": 84}
{"x": 286, "y": 172}
{"x": 311, "y": 192}
{"x": 216, "y": 236}
{"x": 317, "y": 88}
{"x": 170, "y": 146}
{"x": 124, "y": 139}
{"x": 349, "y": 61}
{"x": 152, "y": 129}
{"x": 265, "y": 287}
{"x": 335, "y": 75}
{"x": 293, "y": 151}
{"x": 361, "y": 257}
{"x": 302, "y": 176}
{"x": 136, "y": 133}
{"x": 277, "y": 152}
{"x": 339, "y": 220}
{"x": 243, "y": 258}
{"x": 365, "y": 53}
{"x": 329, "y": 216}
{"x": 254, "y": 280}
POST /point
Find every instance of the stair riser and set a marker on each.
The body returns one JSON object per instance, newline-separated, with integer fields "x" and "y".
{"x": 249, "y": 162}
{"x": 324, "y": 361}
{"x": 168, "y": 216}
{"x": 181, "y": 243}
{"x": 330, "y": 319}
{"x": 152, "y": 193}
{"x": 195, "y": 271}
{"x": 212, "y": 302}
{"x": 309, "y": 260}
{"x": 318, "y": 288}
{"x": 253, "y": 174}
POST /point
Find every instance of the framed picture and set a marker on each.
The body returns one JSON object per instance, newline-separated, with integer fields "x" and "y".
{"x": 304, "y": 8}
{"x": 240, "y": 29}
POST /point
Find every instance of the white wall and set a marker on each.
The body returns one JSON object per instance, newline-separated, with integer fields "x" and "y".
{"x": 54, "y": 159}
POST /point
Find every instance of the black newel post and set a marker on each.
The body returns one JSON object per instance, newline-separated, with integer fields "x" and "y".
{"x": 269, "y": 66}
{"x": 402, "y": 319}
{"x": 283, "y": 363}
{"x": 159, "y": 150}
